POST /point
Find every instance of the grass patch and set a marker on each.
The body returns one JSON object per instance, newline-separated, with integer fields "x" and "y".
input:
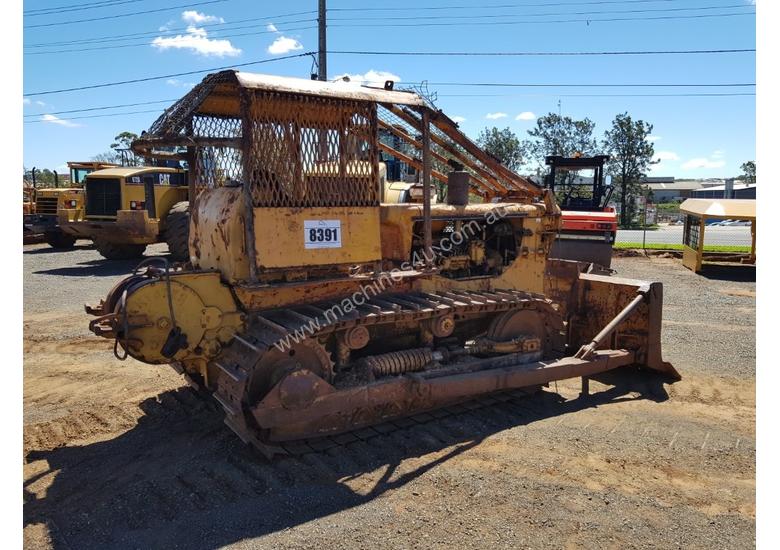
{"x": 707, "y": 248}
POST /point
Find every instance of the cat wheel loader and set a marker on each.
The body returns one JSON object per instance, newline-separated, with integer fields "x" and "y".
{"x": 311, "y": 311}
{"x": 127, "y": 208}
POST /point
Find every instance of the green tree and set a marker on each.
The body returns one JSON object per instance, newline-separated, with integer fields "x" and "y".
{"x": 502, "y": 144}
{"x": 108, "y": 156}
{"x": 124, "y": 140}
{"x": 631, "y": 153}
{"x": 749, "y": 171}
{"x": 121, "y": 146}
{"x": 560, "y": 135}
{"x": 43, "y": 177}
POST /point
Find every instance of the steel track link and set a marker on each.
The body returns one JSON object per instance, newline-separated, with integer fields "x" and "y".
{"x": 237, "y": 361}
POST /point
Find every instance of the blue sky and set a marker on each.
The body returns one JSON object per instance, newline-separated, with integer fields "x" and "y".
{"x": 696, "y": 136}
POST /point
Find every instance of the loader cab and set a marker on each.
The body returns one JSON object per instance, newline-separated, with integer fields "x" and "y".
{"x": 80, "y": 170}
{"x": 588, "y": 224}
{"x": 578, "y": 182}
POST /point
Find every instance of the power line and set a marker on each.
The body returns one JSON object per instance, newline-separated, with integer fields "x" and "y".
{"x": 500, "y": 15}
{"x": 78, "y": 7}
{"x": 518, "y": 85}
{"x": 501, "y": 6}
{"x": 146, "y": 42}
{"x": 119, "y": 15}
{"x": 114, "y": 37}
{"x": 587, "y": 21}
{"x": 160, "y": 77}
{"x": 543, "y": 54}
{"x": 104, "y": 107}
{"x": 385, "y": 53}
{"x": 728, "y": 94}
{"x": 93, "y": 116}
{"x": 496, "y": 84}
{"x": 447, "y": 95}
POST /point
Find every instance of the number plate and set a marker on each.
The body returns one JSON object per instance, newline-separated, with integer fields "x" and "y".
{"x": 322, "y": 233}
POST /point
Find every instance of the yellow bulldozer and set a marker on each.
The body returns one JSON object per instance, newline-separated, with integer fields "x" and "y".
{"x": 127, "y": 208}
{"x": 311, "y": 311}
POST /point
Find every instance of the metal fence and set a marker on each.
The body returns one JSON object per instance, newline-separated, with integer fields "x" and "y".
{"x": 719, "y": 236}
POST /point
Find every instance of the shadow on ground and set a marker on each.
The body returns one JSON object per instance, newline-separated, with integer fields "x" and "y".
{"x": 743, "y": 273}
{"x": 98, "y": 268}
{"x": 50, "y": 250}
{"x": 181, "y": 478}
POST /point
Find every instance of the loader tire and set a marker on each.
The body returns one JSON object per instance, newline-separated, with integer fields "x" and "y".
{"x": 115, "y": 251}
{"x": 59, "y": 240}
{"x": 177, "y": 231}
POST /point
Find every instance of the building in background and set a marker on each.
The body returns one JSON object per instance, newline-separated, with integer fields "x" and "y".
{"x": 740, "y": 190}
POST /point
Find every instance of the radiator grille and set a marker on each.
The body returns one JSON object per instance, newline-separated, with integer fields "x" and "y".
{"x": 46, "y": 205}
{"x": 103, "y": 196}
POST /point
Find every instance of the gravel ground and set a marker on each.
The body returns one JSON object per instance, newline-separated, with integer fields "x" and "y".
{"x": 121, "y": 455}
{"x": 709, "y": 319}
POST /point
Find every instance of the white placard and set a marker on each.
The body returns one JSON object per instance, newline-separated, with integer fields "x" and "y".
{"x": 322, "y": 233}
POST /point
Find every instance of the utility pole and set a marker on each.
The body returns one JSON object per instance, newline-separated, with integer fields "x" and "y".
{"x": 322, "y": 60}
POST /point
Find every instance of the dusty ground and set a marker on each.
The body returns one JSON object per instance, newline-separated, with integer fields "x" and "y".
{"x": 121, "y": 455}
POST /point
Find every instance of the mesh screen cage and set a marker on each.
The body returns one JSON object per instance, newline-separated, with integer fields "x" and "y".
{"x": 307, "y": 151}
{"x": 300, "y": 143}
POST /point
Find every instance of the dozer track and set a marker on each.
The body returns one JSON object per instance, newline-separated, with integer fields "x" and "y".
{"x": 238, "y": 364}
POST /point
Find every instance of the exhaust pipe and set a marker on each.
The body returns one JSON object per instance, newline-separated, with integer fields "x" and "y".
{"x": 458, "y": 187}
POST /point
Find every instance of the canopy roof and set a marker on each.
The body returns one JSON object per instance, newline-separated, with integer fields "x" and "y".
{"x": 339, "y": 89}
{"x": 720, "y": 208}
{"x": 213, "y": 115}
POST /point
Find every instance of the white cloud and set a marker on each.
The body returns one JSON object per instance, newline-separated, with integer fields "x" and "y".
{"x": 179, "y": 83}
{"x": 271, "y": 28}
{"x": 196, "y": 39}
{"x": 284, "y": 44}
{"x": 41, "y": 103}
{"x": 525, "y": 115}
{"x": 197, "y": 18}
{"x": 695, "y": 163}
{"x": 459, "y": 119}
{"x": 370, "y": 78}
{"x": 653, "y": 138}
{"x": 495, "y": 116}
{"x": 54, "y": 120}
{"x": 26, "y": 100}
{"x": 717, "y": 154}
{"x": 666, "y": 155}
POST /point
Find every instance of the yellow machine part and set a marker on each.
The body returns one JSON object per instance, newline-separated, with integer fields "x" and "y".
{"x": 218, "y": 234}
{"x": 165, "y": 196}
{"x": 217, "y": 239}
{"x": 203, "y": 309}
{"x": 51, "y": 201}
{"x": 289, "y": 237}
{"x": 130, "y": 226}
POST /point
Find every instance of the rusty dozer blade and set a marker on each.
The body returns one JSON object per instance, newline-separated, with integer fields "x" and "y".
{"x": 607, "y": 312}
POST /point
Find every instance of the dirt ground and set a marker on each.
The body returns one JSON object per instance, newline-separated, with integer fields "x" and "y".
{"x": 122, "y": 455}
